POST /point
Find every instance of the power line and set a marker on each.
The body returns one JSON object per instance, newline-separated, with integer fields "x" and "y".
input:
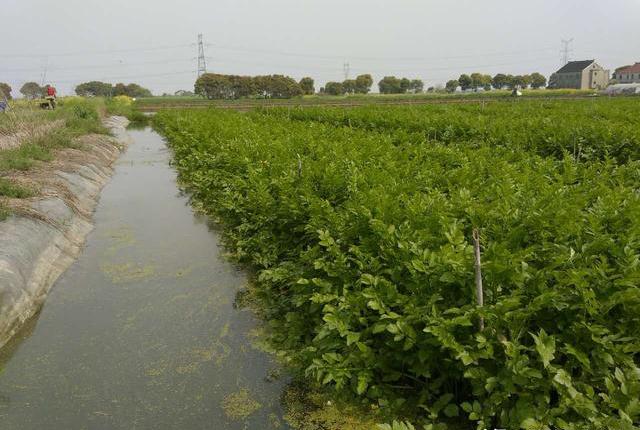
{"x": 101, "y": 66}
{"x": 95, "y": 52}
{"x": 334, "y": 57}
{"x": 110, "y": 78}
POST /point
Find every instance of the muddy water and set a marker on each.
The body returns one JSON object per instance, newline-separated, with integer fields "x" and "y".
{"x": 141, "y": 332}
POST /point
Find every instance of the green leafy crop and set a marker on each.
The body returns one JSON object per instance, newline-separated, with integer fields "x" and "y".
{"x": 361, "y": 240}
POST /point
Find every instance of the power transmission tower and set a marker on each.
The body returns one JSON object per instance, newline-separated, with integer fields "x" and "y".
{"x": 346, "y": 68}
{"x": 44, "y": 73}
{"x": 565, "y": 50}
{"x": 202, "y": 62}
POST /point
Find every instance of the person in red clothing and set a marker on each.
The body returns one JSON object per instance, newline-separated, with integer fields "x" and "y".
{"x": 51, "y": 96}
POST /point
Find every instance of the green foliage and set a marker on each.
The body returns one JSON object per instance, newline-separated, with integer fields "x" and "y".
{"x": 363, "y": 83}
{"x": 307, "y": 86}
{"x": 465, "y": 82}
{"x": 221, "y": 87}
{"x": 131, "y": 90}
{"x": 393, "y": 85}
{"x": 452, "y": 85}
{"x": 360, "y": 238}
{"x": 5, "y": 91}
{"x": 95, "y": 89}
{"x": 396, "y": 425}
{"x": 599, "y": 129}
{"x": 12, "y": 190}
{"x": 31, "y": 90}
{"x": 80, "y": 117}
{"x": 4, "y": 212}
{"x": 334, "y": 89}
{"x": 537, "y": 80}
{"x": 104, "y": 89}
{"x": 23, "y": 157}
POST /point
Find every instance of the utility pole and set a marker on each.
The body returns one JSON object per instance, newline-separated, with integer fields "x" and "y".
{"x": 346, "y": 69}
{"x": 565, "y": 50}
{"x": 202, "y": 62}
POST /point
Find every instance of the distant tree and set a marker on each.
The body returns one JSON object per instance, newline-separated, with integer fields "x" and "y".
{"x": 538, "y": 80}
{"x": 405, "y": 85}
{"x": 500, "y": 81}
{"x": 5, "y": 91}
{"x": 476, "y": 81}
{"x": 390, "y": 85}
{"x": 277, "y": 86}
{"x": 485, "y": 82}
{"x": 363, "y": 83}
{"x": 349, "y": 86}
{"x": 31, "y": 90}
{"x": 465, "y": 82}
{"x": 241, "y": 86}
{"x": 452, "y": 85}
{"x": 136, "y": 91}
{"x": 307, "y": 86}
{"x": 213, "y": 86}
{"x": 183, "y": 93}
{"x": 120, "y": 89}
{"x": 334, "y": 88}
{"x": 521, "y": 81}
{"x": 416, "y": 86}
{"x": 431, "y": 89}
{"x": 95, "y": 88}
{"x": 321, "y": 90}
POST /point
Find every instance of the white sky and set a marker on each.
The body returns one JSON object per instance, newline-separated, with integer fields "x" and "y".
{"x": 152, "y": 42}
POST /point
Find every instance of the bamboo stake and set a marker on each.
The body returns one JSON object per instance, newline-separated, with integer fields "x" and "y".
{"x": 299, "y": 166}
{"x": 478, "y": 267}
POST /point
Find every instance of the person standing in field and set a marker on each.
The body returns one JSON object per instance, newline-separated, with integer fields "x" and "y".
{"x": 51, "y": 96}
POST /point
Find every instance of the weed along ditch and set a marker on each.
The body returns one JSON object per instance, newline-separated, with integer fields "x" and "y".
{"x": 141, "y": 331}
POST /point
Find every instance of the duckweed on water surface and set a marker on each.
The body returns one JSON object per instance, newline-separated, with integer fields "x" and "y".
{"x": 240, "y": 405}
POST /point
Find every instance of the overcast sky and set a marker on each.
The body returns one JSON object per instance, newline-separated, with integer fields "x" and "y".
{"x": 153, "y": 42}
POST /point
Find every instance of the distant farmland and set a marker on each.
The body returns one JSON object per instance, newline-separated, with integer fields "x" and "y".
{"x": 175, "y": 102}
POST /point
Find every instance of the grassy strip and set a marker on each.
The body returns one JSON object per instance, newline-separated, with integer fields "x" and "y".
{"x": 14, "y": 191}
{"x": 80, "y": 116}
{"x": 361, "y": 245}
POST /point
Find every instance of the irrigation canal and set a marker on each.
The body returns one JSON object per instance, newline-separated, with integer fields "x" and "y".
{"x": 141, "y": 332}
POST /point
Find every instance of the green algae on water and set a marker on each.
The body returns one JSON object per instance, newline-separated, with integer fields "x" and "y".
{"x": 240, "y": 405}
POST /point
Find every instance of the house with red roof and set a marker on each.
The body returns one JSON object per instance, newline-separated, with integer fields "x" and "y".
{"x": 627, "y": 74}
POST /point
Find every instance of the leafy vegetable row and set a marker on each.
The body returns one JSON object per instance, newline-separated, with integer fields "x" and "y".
{"x": 584, "y": 129}
{"x": 365, "y": 272}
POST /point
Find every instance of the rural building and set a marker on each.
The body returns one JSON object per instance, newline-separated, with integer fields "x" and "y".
{"x": 580, "y": 75}
{"x": 627, "y": 74}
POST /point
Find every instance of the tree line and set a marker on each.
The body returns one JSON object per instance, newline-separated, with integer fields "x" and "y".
{"x": 105, "y": 89}
{"x": 360, "y": 85}
{"x": 29, "y": 90}
{"x": 500, "y": 81}
{"x": 218, "y": 86}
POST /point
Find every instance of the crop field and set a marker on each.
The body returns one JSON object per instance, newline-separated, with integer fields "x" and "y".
{"x": 358, "y": 223}
{"x": 175, "y": 102}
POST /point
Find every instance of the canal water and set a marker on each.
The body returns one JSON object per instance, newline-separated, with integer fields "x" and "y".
{"x": 141, "y": 331}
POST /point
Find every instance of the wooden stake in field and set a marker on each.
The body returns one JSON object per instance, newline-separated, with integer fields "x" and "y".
{"x": 478, "y": 267}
